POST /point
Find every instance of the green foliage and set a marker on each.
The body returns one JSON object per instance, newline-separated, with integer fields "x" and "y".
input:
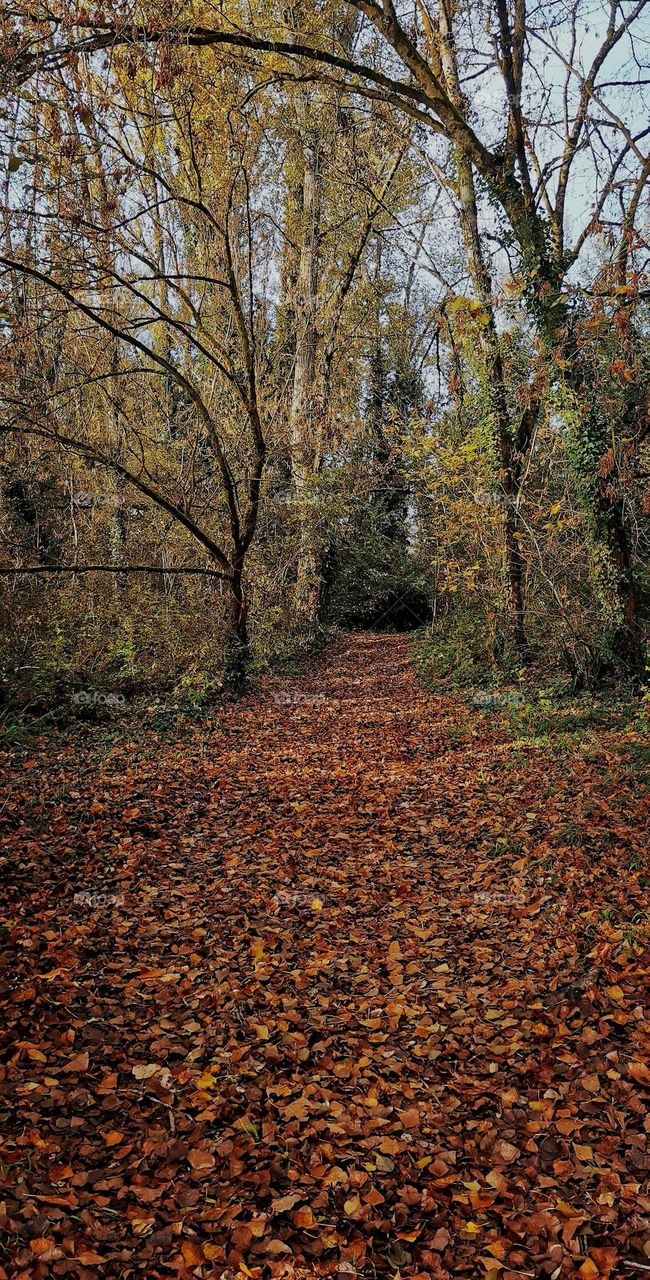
{"x": 377, "y": 585}
{"x": 456, "y": 653}
{"x": 196, "y": 691}
{"x": 82, "y": 641}
{"x": 278, "y": 646}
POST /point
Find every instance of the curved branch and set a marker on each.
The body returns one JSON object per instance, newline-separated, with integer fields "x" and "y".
{"x": 20, "y": 569}
{"x": 13, "y": 264}
{"x": 84, "y": 447}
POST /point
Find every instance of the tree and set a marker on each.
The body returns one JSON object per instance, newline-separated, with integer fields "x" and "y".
{"x": 331, "y": 151}
{"x": 124, "y": 230}
{"x": 527, "y": 150}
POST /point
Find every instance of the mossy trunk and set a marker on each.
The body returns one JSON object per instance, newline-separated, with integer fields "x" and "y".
{"x": 237, "y": 642}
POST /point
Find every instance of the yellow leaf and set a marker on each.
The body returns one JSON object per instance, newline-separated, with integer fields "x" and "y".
{"x": 35, "y": 1054}
{"x": 456, "y": 304}
{"x": 583, "y": 1152}
{"x": 614, "y": 993}
{"x": 589, "y": 1270}
{"x": 214, "y": 1251}
{"x": 142, "y": 1226}
{"x": 206, "y": 1081}
{"x": 498, "y": 1249}
{"x": 567, "y": 1210}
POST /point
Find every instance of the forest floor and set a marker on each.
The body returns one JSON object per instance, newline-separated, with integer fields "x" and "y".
{"x": 347, "y": 982}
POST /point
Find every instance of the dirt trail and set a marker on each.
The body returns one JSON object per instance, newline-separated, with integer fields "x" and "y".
{"x": 341, "y": 981}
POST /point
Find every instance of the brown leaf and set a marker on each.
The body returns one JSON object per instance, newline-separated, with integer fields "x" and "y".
{"x": 640, "y": 1072}
{"x": 507, "y": 1152}
{"x": 277, "y": 1246}
{"x": 78, "y": 1063}
{"x": 201, "y": 1161}
{"x": 410, "y": 1118}
{"x": 440, "y": 1240}
{"x": 284, "y": 1203}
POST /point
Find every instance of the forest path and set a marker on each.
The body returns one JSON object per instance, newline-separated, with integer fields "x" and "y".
{"x": 343, "y": 980}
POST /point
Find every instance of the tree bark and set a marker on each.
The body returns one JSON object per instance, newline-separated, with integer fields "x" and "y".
{"x": 600, "y": 499}
{"x": 237, "y": 643}
{"x": 509, "y": 460}
{"x": 305, "y": 425}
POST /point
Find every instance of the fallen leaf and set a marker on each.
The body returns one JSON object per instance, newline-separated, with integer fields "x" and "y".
{"x": 202, "y": 1161}
{"x": 112, "y": 1137}
{"x": 440, "y": 1240}
{"x": 78, "y": 1063}
{"x": 144, "y": 1071}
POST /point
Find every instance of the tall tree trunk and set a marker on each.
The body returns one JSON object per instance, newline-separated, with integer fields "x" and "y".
{"x": 510, "y": 469}
{"x": 237, "y": 643}
{"x": 305, "y": 424}
{"x": 444, "y": 60}
{"x": 599, "y": 497}
{"x": 605, "y": 514}
{"x": 516, "y": 574}
{"x": 118, "y": 522}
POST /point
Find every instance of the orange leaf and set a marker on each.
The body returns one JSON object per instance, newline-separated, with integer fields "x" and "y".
{"x": 192, "y": 1254}
{"x": 589, "y": 1270}
{"x": 410, "y": 1118}
{"x": 112, "y": 1137}
{"x": 304, "y": 1217}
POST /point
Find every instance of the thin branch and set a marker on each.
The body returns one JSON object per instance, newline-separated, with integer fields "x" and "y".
{"x": 7, "y": 570}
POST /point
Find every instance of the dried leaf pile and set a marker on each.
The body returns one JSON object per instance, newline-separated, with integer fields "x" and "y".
{"x": 345, "y": 984}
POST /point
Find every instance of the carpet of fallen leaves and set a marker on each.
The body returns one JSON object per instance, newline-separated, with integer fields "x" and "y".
{"x": 347, "y": 982}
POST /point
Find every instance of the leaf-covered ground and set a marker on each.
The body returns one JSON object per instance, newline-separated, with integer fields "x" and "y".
{"x": 350, "y": 981}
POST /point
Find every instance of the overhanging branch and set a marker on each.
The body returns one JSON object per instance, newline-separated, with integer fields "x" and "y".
{"x": 8, "y": 570}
